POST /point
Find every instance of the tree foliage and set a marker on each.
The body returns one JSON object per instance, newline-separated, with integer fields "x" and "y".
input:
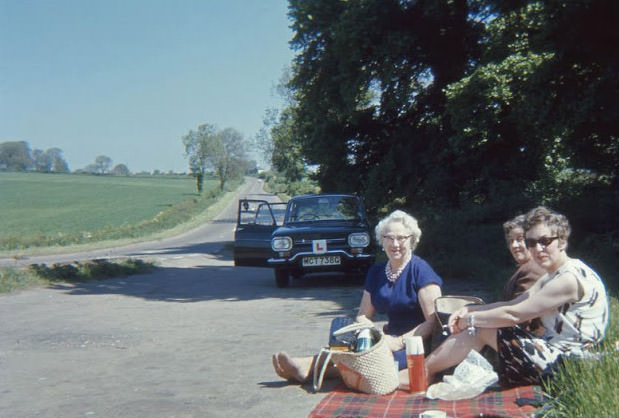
{"x": 59, "y": 164}
{"x": 434, "y": 103}
{"x": 222, "y": 151}
{"x": 120, "y": 170}
{"x": 49, "y": 161}
{"x": 16, "y": 156}
{"x": 102, "y": 164}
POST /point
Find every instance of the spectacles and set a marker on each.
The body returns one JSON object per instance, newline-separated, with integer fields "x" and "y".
{"x": 543, "y": 241}
{"x": 398, "y": 238}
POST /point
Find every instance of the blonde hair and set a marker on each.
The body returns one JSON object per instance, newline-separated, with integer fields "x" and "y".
{"x": 409, "y": 222}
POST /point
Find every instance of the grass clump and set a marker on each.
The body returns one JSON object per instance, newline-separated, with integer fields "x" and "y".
{"x": 90, "y": 270}
{"x": 588, "y": 387}
{"x": 12, "y": 279}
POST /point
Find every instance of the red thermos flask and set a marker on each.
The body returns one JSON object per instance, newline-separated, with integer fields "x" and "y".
{"x": 416, "y": 364}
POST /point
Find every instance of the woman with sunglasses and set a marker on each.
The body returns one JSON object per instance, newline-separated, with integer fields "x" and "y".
{"x": 403, "y": 287}
{"x": 570, "y": 299}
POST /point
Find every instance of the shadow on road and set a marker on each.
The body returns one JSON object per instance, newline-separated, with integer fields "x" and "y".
{"x": 222, "y": 282}
{"x": 216, "y": 250}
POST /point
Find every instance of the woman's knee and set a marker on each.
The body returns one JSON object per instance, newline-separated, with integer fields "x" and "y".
{"x": 488, "y": 336}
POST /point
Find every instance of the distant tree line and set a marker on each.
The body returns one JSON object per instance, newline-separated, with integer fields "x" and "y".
{"x": 103, "y": 166}
{"x": 453, "y": 104}
{"x": 17, "y": 156}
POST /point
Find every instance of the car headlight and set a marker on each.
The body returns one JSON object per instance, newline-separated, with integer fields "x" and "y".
{"x": 281, "y": 244}
{"x": 359, "y": 239}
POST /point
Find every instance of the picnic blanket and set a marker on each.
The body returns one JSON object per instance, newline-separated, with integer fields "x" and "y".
{"x": 343, "y": 403}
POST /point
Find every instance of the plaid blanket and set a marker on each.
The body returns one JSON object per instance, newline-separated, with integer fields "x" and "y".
{"x": 343, "y": 403}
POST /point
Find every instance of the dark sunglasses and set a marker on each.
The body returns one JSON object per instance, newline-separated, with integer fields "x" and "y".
{"x": 543, "y": 241}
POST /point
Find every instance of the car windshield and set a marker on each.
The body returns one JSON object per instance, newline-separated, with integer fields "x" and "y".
{"x": 324, "y": 208}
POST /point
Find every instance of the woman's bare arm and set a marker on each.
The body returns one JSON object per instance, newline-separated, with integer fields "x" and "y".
{"x": 366, "y": 307}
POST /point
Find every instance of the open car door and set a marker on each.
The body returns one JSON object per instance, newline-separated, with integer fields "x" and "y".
{"x": 256, "y": 221}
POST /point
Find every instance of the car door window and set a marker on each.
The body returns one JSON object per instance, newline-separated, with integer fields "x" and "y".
{"x": 264, "y": 216}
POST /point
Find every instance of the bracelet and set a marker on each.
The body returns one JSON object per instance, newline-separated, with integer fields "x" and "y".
{"x": 470, "y": 324}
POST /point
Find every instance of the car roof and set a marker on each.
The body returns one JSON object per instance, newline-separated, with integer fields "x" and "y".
{"x": 312, "y": 195}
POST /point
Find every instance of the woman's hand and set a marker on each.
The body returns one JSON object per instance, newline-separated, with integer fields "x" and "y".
{"x": 394, "y": 343}
{"x": 454, "y": 320}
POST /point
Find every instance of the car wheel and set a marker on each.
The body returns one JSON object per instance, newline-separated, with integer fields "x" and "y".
{"x": 282, "y": 277}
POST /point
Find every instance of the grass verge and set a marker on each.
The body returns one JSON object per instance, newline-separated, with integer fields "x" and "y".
{"x": 589, "y": 387}
{"x": 13, "y": 279}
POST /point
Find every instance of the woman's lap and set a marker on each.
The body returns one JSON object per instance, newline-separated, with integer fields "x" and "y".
{"x": 523, "y": 358}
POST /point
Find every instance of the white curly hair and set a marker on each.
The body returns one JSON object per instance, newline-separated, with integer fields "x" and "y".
{"x": 409, "y": 222}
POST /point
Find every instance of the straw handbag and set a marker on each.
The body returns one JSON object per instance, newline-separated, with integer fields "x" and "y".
{"x": 371, "y": 371}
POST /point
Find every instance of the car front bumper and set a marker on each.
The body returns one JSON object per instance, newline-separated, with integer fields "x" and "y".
{"x": 348, "y": 261}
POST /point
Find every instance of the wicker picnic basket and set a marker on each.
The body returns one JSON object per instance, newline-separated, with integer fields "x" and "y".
{"x": 371, "y": 371}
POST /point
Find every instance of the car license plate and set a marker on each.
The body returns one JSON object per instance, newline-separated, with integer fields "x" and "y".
{"x": 325, "y": 260}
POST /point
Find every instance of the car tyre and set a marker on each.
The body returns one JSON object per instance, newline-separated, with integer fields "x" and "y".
{"x": 282, "y": 278}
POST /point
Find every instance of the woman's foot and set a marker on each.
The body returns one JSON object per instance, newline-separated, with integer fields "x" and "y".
{"x": 290, "y": 368}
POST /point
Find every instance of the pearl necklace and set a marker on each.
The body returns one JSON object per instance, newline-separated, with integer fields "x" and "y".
{"x": 392, "y": 276}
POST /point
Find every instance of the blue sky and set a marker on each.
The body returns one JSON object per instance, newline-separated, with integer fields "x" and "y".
{"x": 129, "y": 78}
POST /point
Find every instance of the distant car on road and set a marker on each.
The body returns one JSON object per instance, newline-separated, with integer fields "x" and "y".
{"x": 308, "y": 234}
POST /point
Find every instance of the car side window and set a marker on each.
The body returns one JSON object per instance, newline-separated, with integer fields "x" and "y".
{"x": 263, "y": 215}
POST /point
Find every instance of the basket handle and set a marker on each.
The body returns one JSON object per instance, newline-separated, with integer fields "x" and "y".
{"x": 361, "y": 323}
{"x": 319, "y": 376}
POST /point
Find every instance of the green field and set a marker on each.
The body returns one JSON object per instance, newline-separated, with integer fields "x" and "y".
{"x": 61, "y": 209}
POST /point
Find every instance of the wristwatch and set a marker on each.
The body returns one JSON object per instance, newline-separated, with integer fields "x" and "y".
{"x": 470, "y": 324}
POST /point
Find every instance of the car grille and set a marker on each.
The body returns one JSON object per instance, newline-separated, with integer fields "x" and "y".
{"x": 330, "y": 241}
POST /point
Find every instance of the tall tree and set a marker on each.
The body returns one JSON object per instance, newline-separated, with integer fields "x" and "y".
{"x": 41, "y": 161}
{"x": 196, "y": 150}
{"x": 278, "y": 140}
{"x": 102, "y": 164}
{"x": 15, "y": 156}
{"x": 59, "y": 164}
{"x": 222, "y": 151}
{"x": 50, "y": 160}
{"x": 120, "y": 170}
{"x": 369, "y": 82}
{"x": 228, "y": 155}
{"x": 432, "y": 102}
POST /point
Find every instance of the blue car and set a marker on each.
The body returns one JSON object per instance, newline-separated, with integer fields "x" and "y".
{"x": 314, "y": 233}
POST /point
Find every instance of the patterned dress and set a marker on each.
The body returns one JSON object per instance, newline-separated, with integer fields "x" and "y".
{"x": 571, "y": 329}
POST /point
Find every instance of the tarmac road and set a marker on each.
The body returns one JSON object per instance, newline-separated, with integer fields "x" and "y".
{"x": 194, "y": 338}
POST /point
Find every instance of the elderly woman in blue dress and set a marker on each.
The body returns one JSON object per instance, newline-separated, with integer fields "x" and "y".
{"x": 570, "y": 299}
{"x": 403, "y": 287}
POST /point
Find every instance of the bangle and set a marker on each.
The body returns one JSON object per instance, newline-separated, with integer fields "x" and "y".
{"x": 470, "y": 324}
